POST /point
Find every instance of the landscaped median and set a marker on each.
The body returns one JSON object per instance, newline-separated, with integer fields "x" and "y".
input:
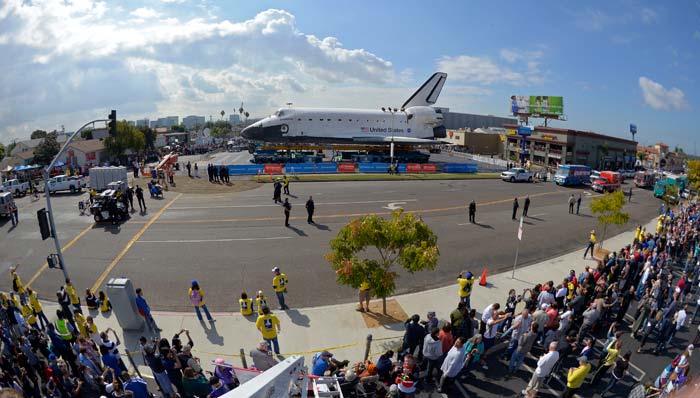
{"x": 378, "y": 177}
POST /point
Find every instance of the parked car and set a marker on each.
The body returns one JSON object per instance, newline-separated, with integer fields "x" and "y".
{"x": 14, "y": 186}
{"x": 66, "y": 183}
{"x": 5, "y": 201}
{"x": 517, "y": 174}
{"x": 595, "y": 174}
{"x": 689, "y": 193}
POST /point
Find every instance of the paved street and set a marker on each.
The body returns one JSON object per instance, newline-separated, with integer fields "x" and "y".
{"x": 229, "y": 242}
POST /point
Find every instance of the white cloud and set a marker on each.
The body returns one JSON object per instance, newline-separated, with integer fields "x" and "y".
{"x": 63, "y": 60}
{"x": 591, "y": 19}
{"x": 647, "y": 15}
{"x": 659, "y": 98}
{"x": 525, "y": 68}
{"x": 145, "y": 13}
{"x": 173, "y": 1}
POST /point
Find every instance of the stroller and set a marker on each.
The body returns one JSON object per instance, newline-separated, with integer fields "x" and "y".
{"x": 155, "y": 190}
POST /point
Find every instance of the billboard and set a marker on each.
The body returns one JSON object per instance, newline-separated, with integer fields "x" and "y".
{"x": 537, "y": 105}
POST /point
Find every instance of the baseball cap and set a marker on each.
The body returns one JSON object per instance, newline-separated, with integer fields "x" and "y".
{"x": 276, "y": 269}
{"x": 690, "y": 349}
{"x": 326, "y": 354}
{"x": 583, "y": 359}
{"x": 468, "y": 275}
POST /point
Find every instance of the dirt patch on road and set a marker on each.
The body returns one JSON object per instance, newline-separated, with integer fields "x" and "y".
{"x": 184, "y": 184}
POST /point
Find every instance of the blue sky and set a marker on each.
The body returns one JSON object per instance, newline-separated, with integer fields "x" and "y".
{"x": 615, "y": 62}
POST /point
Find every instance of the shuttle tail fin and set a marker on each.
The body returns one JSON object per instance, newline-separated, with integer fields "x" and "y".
{"x": 428, "y": 93}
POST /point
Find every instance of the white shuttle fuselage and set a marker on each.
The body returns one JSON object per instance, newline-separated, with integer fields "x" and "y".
{"x": 415, "y": 123}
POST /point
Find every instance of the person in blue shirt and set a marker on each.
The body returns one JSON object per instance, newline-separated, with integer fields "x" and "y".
{"x": 217, "y": 387}
{"x": 110, "y": 360}
{"x": 136, "y": 385}
{"x": 145, "y": 311}
{"x": 321, "y": 364}
{"x": 385, "y": 365}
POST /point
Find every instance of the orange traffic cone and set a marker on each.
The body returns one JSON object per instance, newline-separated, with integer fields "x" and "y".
{"x": 482, "y": 280}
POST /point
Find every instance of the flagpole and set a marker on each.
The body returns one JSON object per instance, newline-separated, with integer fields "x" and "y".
{"x": 517, "y": 246}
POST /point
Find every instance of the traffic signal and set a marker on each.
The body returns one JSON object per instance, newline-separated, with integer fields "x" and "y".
{"x": 112, "y": 123}
{"x": 53, "y": 261}
{"x": 44, "y": 226}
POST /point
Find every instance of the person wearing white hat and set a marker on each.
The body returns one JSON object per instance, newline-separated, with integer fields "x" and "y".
{"x": 262, "y": 357}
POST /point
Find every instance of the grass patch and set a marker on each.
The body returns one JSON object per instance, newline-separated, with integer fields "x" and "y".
{"x": 384, "y": 177}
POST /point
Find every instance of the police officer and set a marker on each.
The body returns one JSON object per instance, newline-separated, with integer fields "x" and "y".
{"x": 287, "y": 209}
{"x": 277, "y": 195}
{"x": 310, "y": 210}
{"x": 472, "y": 211}
{"x": 515, "y": 207}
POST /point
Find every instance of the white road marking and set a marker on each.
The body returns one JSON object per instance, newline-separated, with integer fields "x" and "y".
{"x": 300, "y": 204}
{"x": 537, "y": 215}
{"x": 213, "y": 240}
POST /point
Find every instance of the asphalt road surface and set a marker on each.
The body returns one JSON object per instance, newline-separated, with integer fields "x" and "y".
{"x": 230, "y": 242}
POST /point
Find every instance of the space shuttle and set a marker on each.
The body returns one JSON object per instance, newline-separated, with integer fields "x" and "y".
{"x": 416, "y": 122}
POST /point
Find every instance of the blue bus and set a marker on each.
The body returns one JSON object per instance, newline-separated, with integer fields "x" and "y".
{"x": 572, "y": 174}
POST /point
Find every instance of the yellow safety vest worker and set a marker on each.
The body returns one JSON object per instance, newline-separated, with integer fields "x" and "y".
{"x": 62, "y": 329}
{"x": 279, "y": 283}
{"x": 246, "y": 306}
{"x": 261, "y": 302}
{"x": 17, "y": 282}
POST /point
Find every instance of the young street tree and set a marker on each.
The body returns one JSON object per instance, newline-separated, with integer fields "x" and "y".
{"x": 694, "y": 174}
{"x": 128, "y": 137}
{"x": 609, "y": 210}
{"x": 403, "y": 239}
{"x": 47, "y": 149}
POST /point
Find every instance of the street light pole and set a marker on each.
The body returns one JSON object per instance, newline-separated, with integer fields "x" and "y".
{"x": 48, "y": 196}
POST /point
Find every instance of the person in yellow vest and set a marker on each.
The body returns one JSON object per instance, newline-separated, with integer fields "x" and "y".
{"x": 17, "y": 286}
{"x": 73, "y": 295}
{"x": 269, "y": 326}
{"x": 637, "y": 234}
{"x": 465, "y": 281}
{"x": 80, "y": 323}
{"x": 591, "y": 244}
{"x": 105, "y": 304}
{"x": 197, "y": 299}
{"x": 91, "y": 300}
{"x": 92, "y": 330}
{"x": 28, "y": 314}
{"x": 38, "y": 310}
{"x": 245, "y": 304}
{"x": 286, "y": 185}
{"x": 260, "y": 302}
{"x": 279, "y": 284}
{"x": 63, "y": 327}
{"x": 365, "y": 295}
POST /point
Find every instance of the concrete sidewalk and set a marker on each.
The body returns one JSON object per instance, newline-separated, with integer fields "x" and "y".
{"x": 340, "y": 328}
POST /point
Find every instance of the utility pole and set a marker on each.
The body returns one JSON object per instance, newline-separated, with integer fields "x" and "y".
{"x": 112, "y": 118}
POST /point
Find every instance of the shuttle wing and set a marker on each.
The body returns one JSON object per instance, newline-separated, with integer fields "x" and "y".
{"x": 428, "y": 93}
{"x": 397, "y": 140}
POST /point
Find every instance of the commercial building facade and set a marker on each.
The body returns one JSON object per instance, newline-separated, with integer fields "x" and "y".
{"x": 548, "y": 146}
{"x": 192, "y": 122}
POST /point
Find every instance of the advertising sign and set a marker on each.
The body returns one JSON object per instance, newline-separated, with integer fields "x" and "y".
{"x": 524, "y": 131}
{"x": 428, "y": 168}
{"x": 346, "y": 167}
{"x": 633, "y": 128}
{"x": 537, "y": 105}
{"x": 413, "y": 168}
{"x": 273, "y": 169}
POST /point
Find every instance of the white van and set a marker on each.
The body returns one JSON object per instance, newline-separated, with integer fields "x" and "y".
{"x": 5, "y": 201}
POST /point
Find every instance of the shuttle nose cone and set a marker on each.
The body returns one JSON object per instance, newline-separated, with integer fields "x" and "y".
{"x": 252, "y": 132}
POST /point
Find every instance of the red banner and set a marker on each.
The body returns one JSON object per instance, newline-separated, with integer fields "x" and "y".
{"x": 413, "y": 168}
{"x": 428, "y": 168}
{"x": 346, "y": 167}
{"x": 90, "y": 156}
{"x": 273, "y": 169}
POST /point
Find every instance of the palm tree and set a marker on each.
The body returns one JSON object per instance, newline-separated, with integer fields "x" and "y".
{"x": 222, "y": 115}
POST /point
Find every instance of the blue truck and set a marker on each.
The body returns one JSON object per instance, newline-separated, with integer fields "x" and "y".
{"x": 572, "y": 174}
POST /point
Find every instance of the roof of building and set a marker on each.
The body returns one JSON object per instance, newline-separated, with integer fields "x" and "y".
{"x": 87, "y": 146}
{"x": 25, "y": 155}
{"x": 661, "y": 144}
{"x": 648, "y": 149}
{"x": 577, "y": 133}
